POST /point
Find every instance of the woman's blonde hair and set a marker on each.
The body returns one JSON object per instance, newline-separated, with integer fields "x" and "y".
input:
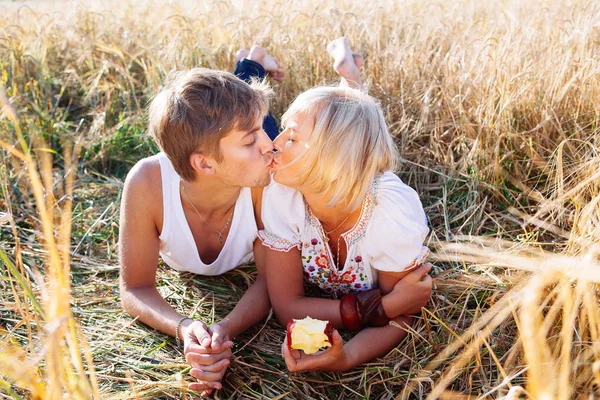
{"x": 349, "y": 146}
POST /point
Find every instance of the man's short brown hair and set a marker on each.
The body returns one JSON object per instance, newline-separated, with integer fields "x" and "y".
{"x": 197, "y": 108}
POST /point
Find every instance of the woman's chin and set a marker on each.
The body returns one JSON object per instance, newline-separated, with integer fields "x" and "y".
{"x": 281, "y": 178}
{"x": 275, "y": 175}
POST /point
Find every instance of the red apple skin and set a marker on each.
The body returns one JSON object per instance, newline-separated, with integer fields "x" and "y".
{"x": 288, "y": 333}
{"x": 290, "y": 326}
{"x": 329, "y": 332}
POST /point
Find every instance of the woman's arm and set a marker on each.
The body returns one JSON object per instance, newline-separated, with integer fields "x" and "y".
{"x": 405, "y": 292}
{"x": 285, "y": 282}
{"x": 368, "y": 344}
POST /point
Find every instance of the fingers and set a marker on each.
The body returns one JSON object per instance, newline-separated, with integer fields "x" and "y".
{"x": 201, "y": 386}
{"x": 207, "y": 387}
{"x": 427, "y": 280}
{"x": 358, "y": 59}
{"x": 336, "y": 339}
{"x": 219, "y": 366}
{"x": 290, "y": 361}
{"x": 209, "y": 378}
{"x": 219, "y": 340}
{"x": 207, "y": 358}
{"x": 419, "y": 273}
{"x": 200, "y": 331}
{"x": 197, "y": 349}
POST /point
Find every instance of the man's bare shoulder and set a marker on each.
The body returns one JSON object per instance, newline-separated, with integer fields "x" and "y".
{"x": 145, "y": 174}
{"x": 143, "y": 188}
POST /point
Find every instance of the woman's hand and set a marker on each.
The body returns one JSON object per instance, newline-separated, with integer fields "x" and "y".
{"x": 410, "y": 293}
{"x": 208, "y": 351}
{"x": 333, "y": 358}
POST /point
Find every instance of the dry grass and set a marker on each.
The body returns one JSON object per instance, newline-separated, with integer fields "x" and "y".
{"x": 495, "y": 107}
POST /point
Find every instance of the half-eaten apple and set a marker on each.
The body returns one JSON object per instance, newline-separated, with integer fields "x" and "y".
{"x": 308, "y": 334}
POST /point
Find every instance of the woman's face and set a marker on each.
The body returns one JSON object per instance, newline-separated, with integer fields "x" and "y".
{"x": 292, "y": 146}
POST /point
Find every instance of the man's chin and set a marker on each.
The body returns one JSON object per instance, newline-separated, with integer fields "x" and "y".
{"x": 262, "y": 181}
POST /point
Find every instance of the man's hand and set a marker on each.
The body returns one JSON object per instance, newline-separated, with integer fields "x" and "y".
{"x": 333, "y": 358}
{"x": 410, "y": 293}
{"x": 208, "y": 351}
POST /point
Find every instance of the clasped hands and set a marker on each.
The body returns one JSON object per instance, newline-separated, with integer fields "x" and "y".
{"x": 207, "y": 350}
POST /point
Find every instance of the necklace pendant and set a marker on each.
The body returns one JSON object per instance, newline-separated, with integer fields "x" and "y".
{"x": 220, "y": 239}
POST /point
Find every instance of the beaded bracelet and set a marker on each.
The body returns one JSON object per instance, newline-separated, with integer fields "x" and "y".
{"x": 177, "y": 341}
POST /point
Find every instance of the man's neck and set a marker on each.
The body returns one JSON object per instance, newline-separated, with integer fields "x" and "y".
{"x": 210, "y": 195}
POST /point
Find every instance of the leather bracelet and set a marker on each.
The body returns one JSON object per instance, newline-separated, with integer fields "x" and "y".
{"x": 349, "y": 312}
{"x": 370, "y": 309}
{"x": 177, "y": 341}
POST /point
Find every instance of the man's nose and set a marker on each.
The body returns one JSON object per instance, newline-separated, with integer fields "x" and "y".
{"x": 276, "y": 143}
{"x": 266, "y": 144}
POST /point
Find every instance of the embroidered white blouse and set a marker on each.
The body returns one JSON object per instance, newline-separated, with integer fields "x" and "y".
{"x": 388, "y": 235}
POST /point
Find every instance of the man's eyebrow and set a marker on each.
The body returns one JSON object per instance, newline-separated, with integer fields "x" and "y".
{"x": 252, "y": 131}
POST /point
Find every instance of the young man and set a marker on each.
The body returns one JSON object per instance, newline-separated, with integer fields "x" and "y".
{"x": 193, "y": 205}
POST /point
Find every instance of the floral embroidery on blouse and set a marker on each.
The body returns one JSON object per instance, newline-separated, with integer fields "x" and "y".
{"x": 319, "y": 270}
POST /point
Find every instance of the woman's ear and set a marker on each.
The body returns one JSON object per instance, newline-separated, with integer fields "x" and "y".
{"x": 202, "y": 164}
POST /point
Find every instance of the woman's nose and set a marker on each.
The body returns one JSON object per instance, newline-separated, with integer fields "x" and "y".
{"x": 277, "y": 143}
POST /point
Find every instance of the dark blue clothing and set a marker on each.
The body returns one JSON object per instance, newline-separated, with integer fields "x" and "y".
{"x": 246, "y": 70}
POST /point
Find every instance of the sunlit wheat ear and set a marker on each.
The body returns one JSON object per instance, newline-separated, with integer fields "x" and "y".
{"x": 494, "y": 105}
{"x": 64, "y": 368}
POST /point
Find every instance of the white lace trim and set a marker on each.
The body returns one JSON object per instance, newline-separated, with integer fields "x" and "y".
{"x": 277, "y": 243}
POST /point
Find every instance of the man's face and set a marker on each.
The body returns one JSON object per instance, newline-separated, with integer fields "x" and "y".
{"x": 247, "y": 157}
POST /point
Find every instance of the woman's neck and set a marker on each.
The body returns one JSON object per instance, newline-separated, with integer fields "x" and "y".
{"x": 330, "y": 216}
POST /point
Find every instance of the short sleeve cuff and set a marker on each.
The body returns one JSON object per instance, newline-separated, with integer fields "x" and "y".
{"x": 276, "y": 243}
{"x": 396, "y": 266}
{"x": 416, "y": 263}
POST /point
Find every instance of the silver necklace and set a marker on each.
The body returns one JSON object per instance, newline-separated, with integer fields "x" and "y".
{"x": 203, "y": 219}
{"x": 337, "y": 259}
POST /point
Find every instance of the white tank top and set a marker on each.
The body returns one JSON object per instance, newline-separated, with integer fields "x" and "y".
{"x": 177, "y": 246}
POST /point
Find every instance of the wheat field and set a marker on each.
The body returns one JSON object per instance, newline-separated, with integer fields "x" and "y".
{"x": 496, "y": 109}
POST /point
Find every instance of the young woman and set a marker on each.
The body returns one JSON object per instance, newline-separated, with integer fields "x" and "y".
{"x": 337, "y": 216}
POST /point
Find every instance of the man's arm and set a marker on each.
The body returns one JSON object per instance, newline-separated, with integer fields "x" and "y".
{"x": 139, "y": 249}
{"x": 254, "y": 304}
{"x": 138, "y": 257}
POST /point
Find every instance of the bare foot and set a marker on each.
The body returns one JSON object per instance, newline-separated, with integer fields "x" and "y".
{"x": 358, "y": 60}
{"x": 345, "y": 62}
{"x": 269, "y": 63}
{"x": 241, "y": 53}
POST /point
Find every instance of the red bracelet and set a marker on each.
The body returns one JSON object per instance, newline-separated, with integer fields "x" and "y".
{"x": 349, "y": 312}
